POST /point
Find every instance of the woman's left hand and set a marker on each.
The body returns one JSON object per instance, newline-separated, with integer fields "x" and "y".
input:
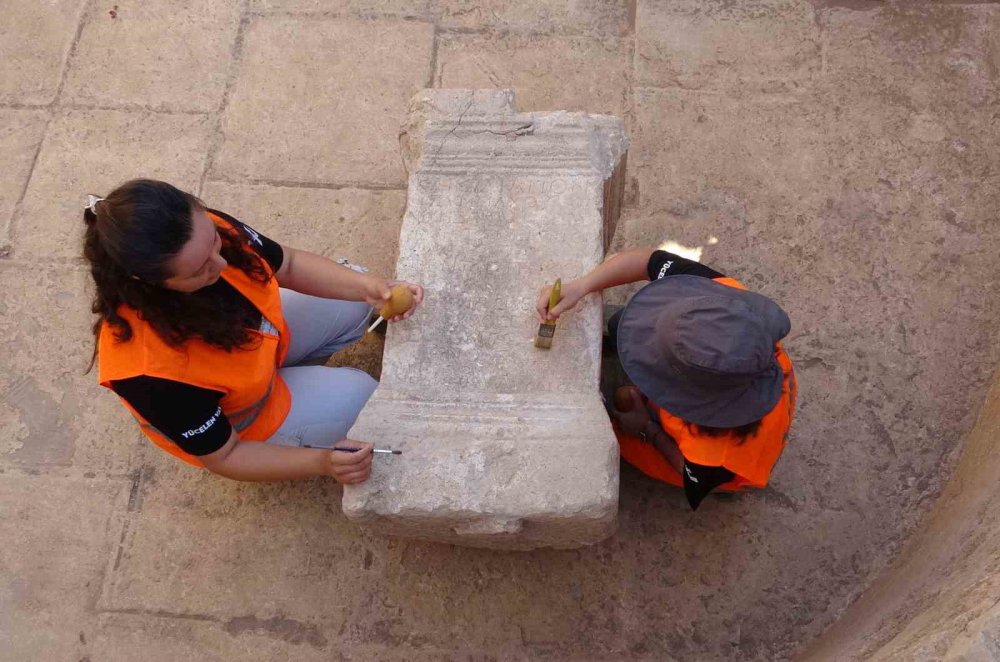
{"x": 635, "y": 421}
{"x": 418, "y": 297}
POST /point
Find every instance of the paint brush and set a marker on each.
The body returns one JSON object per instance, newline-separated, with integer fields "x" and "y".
{"x": 347, "y": 449}
{"x": 547, "y": 329}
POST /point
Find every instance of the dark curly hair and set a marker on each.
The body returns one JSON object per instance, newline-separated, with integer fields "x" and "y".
{"x": 130, "y": 237}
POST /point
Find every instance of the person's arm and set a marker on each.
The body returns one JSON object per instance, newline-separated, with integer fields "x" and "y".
{"x": 664, "y": 443}
{"x": 638, "y": 419}
{"x": 619, "y": 269}
{"x": 313, "y": 274}
{"x": 260, "y": 462}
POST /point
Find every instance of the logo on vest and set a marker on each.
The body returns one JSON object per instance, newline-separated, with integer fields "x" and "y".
{"x": 663, "y": 269}
{"x": 690, "y": 475}
{"x": 205, "y": 426}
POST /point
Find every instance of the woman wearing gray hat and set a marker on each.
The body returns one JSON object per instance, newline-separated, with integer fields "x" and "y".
{"x": 714, "y": 391}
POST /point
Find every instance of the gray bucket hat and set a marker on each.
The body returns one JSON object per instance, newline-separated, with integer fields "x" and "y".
{"x": 703, "y": 351}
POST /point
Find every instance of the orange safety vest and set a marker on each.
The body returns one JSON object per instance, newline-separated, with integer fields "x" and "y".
{"x": 751, "y": 461}
{"x": 256, "y": 399}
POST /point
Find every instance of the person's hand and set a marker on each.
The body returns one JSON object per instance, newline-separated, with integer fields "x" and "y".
{"x": 418, "y": 298}
{"x": 572, "y": 292}
{"x": 351, "y": 468}
{"x": 376, "y": 291}
{"x": 635, "y": 421}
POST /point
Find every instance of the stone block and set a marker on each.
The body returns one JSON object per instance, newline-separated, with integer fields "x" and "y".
{"x": 360, "y": 225}
{"x": 59, "y": 534}
{"x": 148, "y": 54}
{"x": 280, "y": 560}
{"x": 327, "y": 110}
{"x": 204, "y": 545}
{"x": 762, "y": 45}
{"x": 504, "y": 445}
{"x": 52, "y": 414}
{"x": 92, "y": 151}
{"x": 35, "y": 39}
{"x": 572, "y": 73}
{"x": 20, "y": 133}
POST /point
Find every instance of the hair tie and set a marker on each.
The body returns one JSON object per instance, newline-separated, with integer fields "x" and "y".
{"x": 92, "y": 201}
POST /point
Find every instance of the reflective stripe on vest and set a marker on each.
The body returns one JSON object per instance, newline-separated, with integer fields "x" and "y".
{"x": 246, "y": 416}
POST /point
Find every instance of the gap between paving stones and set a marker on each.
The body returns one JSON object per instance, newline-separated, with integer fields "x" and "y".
{"x": 71, "y": 52}
{"x": 235, "y": 59}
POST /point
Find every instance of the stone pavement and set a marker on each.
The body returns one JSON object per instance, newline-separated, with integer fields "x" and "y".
{"x": 841, "y": 156}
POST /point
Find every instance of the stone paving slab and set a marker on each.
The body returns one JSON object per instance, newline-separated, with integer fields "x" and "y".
{"x": 717, "y": 45}
{"x": 686, "y": 143}
{"x": 59, "y": 535}
{"x": 568, "y": 73}
{"x": 35, "y": 39}
{"x": 319, "y": 574}
{"x": 919, "y": 56}
{"x": 92, "y": 151}
{"x": 51, "y": 413}
{"x": 124, "y": 637}
{"x": 148, "y": 53}
{"x": 304, "y": 571}
{"x": 332, "y": 105}
{"x": 361, "y": 8}
{"x": 21, "y": 133}
{"x": 607, "y": 18}
{"x": 360, "y": 225}
{"x": 602, "y": 17}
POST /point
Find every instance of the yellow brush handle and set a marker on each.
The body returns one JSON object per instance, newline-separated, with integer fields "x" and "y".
{"x": 556, "y": 294}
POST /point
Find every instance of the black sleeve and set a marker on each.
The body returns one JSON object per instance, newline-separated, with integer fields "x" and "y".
{"x": 190, "y": 416}
{"x": 699, "y": 480}
{"x": 662, "y": 264}
{"x": 268, "y": 249}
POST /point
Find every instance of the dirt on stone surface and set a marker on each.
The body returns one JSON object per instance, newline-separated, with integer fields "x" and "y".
{"x": 840, "y": 157}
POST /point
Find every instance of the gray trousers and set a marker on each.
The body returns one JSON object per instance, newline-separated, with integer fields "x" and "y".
{"x": 325, "y": 401}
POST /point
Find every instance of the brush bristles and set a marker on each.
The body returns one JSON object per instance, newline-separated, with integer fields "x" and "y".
{"x": 543, "y": 339}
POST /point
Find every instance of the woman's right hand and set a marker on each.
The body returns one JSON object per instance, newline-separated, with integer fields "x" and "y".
{"x": 351, "y": 468}
{"x": 376, "y": 291}
{"x": 572, "y": 292}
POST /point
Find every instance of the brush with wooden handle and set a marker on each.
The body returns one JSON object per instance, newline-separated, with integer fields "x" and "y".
{"x": 547, "y": 329}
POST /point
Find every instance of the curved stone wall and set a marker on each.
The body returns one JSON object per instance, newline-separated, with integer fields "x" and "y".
{"x": 940, "y": 600}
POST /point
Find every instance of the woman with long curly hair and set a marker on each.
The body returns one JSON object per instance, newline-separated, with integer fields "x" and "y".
{"x": 203, "y": 329}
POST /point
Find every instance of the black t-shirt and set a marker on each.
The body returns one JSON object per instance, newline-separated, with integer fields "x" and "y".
{"x": 699, "y": 480}
{"x": 189, "y": 415}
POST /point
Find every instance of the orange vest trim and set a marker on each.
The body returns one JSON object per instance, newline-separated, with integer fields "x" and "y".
{"x": 751, "y": 461}
{"x": 256, "y": 399}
